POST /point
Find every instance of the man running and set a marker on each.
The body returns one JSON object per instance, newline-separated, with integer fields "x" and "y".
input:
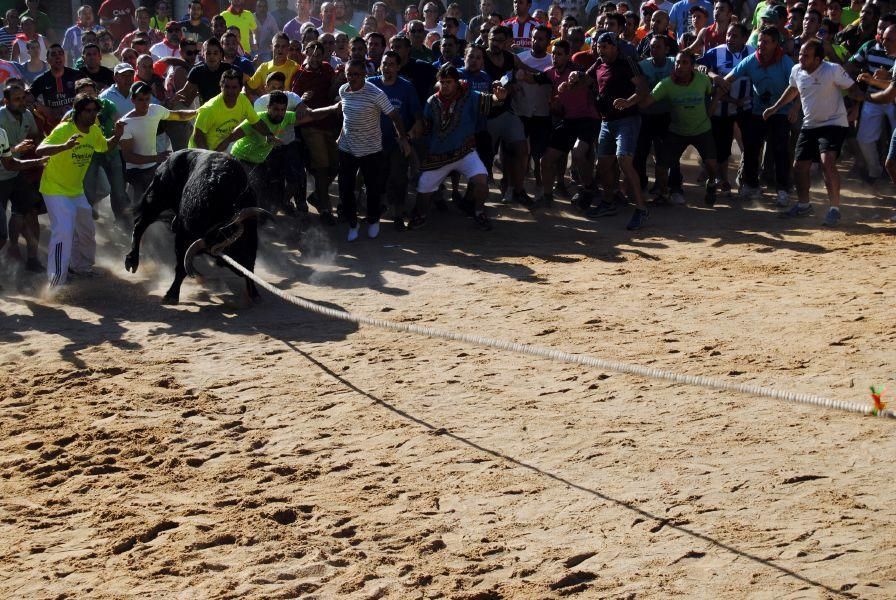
{"x": 818, "y": 85}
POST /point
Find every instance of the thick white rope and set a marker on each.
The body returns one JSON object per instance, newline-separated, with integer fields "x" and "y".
{"x": 588, "y": 361}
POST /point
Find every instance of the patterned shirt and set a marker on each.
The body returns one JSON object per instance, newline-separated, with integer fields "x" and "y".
{"x": 721, "y": 60}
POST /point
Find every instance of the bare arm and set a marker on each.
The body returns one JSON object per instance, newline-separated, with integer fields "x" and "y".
{"x": 45, "y": 149}
{"x": 188, "y": 93}
{"x": 199, "y": 139}
{"x": 885, "y": 97}
{"x": 789, "y": 95}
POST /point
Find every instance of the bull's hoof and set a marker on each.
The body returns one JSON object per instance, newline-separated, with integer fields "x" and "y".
{"x": 170, "y": 300}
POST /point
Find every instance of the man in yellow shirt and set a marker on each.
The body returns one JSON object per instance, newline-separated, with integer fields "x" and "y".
{"x": 236, "y": 16}
{"x": 220, "y": 115}
{"x": 71, "y": 146}
{"x": 279, "y": 63}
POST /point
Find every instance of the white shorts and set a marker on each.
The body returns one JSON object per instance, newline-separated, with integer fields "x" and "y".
{"x": 469, "y": 166}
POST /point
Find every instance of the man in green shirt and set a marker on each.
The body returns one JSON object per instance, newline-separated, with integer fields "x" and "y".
{"x": 253, "y": 143}
{"x": 685, "y": 90}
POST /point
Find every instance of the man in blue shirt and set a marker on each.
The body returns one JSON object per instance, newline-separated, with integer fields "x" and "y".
{"x": 769, "y": 72}
{"x": 403, "y": 96}
{"x": 680, "y": 15}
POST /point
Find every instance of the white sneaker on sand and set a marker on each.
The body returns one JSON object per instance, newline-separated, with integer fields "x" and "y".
{"x": 353, "y": 233}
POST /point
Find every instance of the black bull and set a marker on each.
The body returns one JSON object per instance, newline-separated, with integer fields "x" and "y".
{"x": 214, "y": 209}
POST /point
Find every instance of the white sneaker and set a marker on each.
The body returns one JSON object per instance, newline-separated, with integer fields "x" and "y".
{"x": 676, "y": 198}
{"x": 353, "y": 233}
{"x": 783, "y": 199}
{"x": 373, "y": 230}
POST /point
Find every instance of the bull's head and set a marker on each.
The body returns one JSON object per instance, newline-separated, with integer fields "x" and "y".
{"x": 220, "y": 238}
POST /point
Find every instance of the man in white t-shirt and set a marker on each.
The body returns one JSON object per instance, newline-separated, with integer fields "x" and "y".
{"x": 819, "y": 85}
{"x": 531, "y": 100}
{"x": 138, "y": 142}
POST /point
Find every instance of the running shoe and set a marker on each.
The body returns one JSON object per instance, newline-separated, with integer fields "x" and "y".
{"x": 725, "y": 188}
{"x": 832, "y": 218}
{"x": 483, "y": 222}
{"x": 604, "y": 209}
{"x": 416, "y": 222}
{"x": 677, "y": 198}
{"x": 748, "y": 193}
{"x": 560, "y": 189}
{"x": 798, "y": 210}
{"x": 353, "y": 232}
{"x": 523, "y": 199}
{"x": 638, "y": 220}
{"x": 783, "y": 199}
{"x": 327, "y": 218}
{"x": 582, "y": 199}
{"x": 710, "y": 198}
{"x": 373, "y": 230}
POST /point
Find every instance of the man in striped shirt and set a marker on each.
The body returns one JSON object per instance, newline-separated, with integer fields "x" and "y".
{"x": 735, "y": 105}
{"x": 521, "y": 24}
{"x": 361, "y": 143}
{"x": 872, "y": 59}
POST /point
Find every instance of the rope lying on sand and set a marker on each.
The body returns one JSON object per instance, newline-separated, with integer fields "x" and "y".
{"x": 588, "y": 361}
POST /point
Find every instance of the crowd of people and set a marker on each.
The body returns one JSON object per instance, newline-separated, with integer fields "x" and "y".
{"x": 388, "y": 99}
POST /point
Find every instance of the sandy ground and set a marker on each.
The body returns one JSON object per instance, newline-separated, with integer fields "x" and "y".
{"x": 200, "y": 451}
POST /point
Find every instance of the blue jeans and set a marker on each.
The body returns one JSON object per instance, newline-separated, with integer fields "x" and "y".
{"x": 619, "y": 137}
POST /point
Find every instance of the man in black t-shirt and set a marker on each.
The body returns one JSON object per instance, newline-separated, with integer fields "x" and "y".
{"x": 504, "y": 126}
{"x": 205, "y": 78}
{"x": 93, "y": 68}
{"x": 195, "y": 28}
{"x": 55, "y": 89}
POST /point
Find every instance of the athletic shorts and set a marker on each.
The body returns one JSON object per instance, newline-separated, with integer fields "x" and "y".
{"x": 812, "y": 142}
{"x": 322, "y": 149}
{"x": 674, "y": 145}
{"x": 469, "y": 166}
{"x": 506, "y": 128}
{"x": 538, "y": 130}
{"x": 22, "y": 196}
{"x": 619, "y": 136}
{"x": 568, "y": 131}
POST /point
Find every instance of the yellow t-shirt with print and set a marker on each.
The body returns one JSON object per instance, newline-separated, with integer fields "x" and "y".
{"x": 64, "y": 173}
{"x": 288, "y": 68}
{"x": 217, "y": 121}
{"x": 246, "y": 23}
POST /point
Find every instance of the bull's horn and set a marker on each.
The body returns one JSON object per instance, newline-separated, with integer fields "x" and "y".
{"x": 195, "y": 248}
{"x": 253, "y": 212}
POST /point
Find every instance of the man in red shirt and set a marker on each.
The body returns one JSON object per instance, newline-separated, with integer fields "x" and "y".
{"x": 117, "y": 16}
{"x": 521, "y": 24}
{"x": 313, "y": 81}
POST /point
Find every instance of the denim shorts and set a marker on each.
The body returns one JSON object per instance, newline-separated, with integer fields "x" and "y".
{"x": 619, "y": 137}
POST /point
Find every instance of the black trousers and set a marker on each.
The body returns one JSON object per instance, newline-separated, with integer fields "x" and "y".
{"x": 653, "y": 130}
{"x": 775, "y": 133}
{"x": 372, "y": 169}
